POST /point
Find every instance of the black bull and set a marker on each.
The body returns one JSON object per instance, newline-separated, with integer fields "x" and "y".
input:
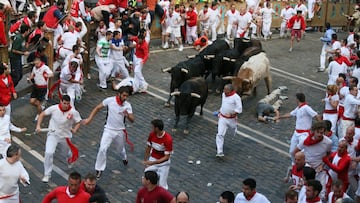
{"x": 191, "y": 94}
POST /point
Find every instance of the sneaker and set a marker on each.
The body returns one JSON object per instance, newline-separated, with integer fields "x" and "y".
{"x": 88, "y": 76}
{"x": 283, "y": 97}
{"x": 70, "y": 165}
{"x": 98, "y": 174}
{"x": 45, "y": 179}
{"x": 181, "y": 48}
{"x": 320, "y": 70}
{"x": 220, "y": 154}
{"x": 125, "y": 162}
{"x": 98, "y": 85}
{"x": 166, "y": 45}
{"x": 290, "y": 50}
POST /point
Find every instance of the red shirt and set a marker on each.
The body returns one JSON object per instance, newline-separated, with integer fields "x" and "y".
{"x": 160, "y": 146}
{"x": 192, "y": 21}
{"x": 3, "y": 40}
{"x": 297, "y": 18}
{"x": 342, "y": 168}
{"x": 158, "y": 195}
{"x": 60, "y": 194}
{"x": 6, "y": 90}
{"x": 142, "y": 50}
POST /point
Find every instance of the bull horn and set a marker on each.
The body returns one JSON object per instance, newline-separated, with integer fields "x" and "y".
{"x": 177, "y": 93}
{"x": 246, "y": 39}
{"x": 195, "y": 95}
{"x": 185, "y": 70}
{"x": 166, "y": 69}
{"x": 228, "y": 78}
{"x": 246, "y": 80}
{"x": 226, "y": 58}
{"x": 191, "y": 56}
{"x": 210, "y": 56}
{"x": 233, "y": 60}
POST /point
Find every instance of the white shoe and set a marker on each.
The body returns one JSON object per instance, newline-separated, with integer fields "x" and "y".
{"x": 181, "y": 48}
{"x": 220, "y": 154}
{"x": 88, "y": 76}
{"x": 166, "y": 46}
{"x": 45, "y": 179}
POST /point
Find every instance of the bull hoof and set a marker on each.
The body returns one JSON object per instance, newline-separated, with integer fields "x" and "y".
{"x": 186, "y": 132}
{"x": 174, "y": 129}
{"x": 167, "y": 104}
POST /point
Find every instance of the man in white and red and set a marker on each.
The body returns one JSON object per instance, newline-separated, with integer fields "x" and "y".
{"x": 64, "y": 121}
{"x": 352, "y": 145}
{"x": 231, "y": 16}
{"x": 350, "y": 110}
{"x": 337, "y": 192}
{"x": 231, "y": 106}
{"x": 249, "y": 193}
{"x": 214, "y": 19}
{"x": 78, "y": 12}
{"x": 300, "y": 6}
{"x": 313, "y": 190}
{"x": 7, "y": 89}
{"x": 286, "y": 13}
{"x": 37, "y": 35}
{"x": 315, "y": 147}
{"x": 67, "y": 41}
{"x": 71, "y": 79}
{"x": 52, "y": 19}
{"x": 139, "y": 59}
{"x": 296, "y": 172}
{"x": 331, "y": 103}
{"x": 304, "y": 115}
{"x": 297, "y": 25}
{"x": 336, "y": 67}
{"x": 204, "y": 16}
{"x": 339, "y": 164}
{"x": 40, "y": 75}
{"x": 191, "y": 25}
{"x": 243, "y": 23}
{"x": 158, "y": 151}
{"x": 343, "y": 91}
{"x": 173, "y": 28}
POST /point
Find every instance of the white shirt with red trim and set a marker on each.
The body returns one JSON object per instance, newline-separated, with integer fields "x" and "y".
{"x": 69, "y": 39}
{"x": 9, "y": 176}
{"x": 232, "y": 16}
{"x": 40, "y": 75}
{"x": 244, "y": 20}
{"x": 62, "y": 122}
{"x": 231, "y": 104}
{"x": 331, "y": 195}
{"x": 350, "y": 106}
{"x": 327, "y": 102}
{"x": 315, "y": 153}
{"x": 257, "y": 198}
{"x": 304, "y": 116}
{"x": 115, "y": 113}
{"x": 160, "y": 146}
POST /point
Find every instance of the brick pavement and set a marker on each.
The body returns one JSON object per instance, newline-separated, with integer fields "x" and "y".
{"x": 245, "y": 156}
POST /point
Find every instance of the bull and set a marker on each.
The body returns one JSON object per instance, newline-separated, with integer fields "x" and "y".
{"x": 191, "y": 94}
{"x": 183, "y": 71}
{"x": 250, "y": 73}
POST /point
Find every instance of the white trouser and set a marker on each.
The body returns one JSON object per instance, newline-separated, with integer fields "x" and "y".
{"x": 108, "y": 136}
{"x": 230, "y": 31}
{"x": 223, "y": 125}
{"x": 323, "y": 55}
{"x": 266, "y": 28}
{"x": 8, "y": 110}
{"x": 213, "y": 27}
{"x": 344, "y": 125}
{"x": 58, "y": 31}
{"x": 3, "y": 148}
{"x": 52, "y": 141}
{"x": 19, "y": 8}
{"x": 295, "y": 139}
{"x": 138, "y": 65}
{"x": 333, "y": 118}
{"x": 283, "y": 28}
{"x": 71, "y": 89}
{"x": 162, "y": 170}
{"x": 191, "y": 35}
{"x": 83, "y": 27}
{"x": 119, "y": 67}
{"x": 323, "y": 177}
{"x": 311, "y": 4}
{"x": 12, "y": 199}
{"x": 64, "y": 52}
{"x": 105, "y": 67}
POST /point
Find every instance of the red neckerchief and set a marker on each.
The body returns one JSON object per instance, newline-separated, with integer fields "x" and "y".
{"x": 287, "y": 7}
{"x": 251, "y": 12}
{"x": 310, "y": 141}
{"x": 232, "y": 11}
{"x": 333, "y": 200}
{"x": 299, "y": 5}
{"x": 230, "y": 94}
{"x": 205, "y": 11}
{"x": 41, "y": 64}
{"x": 301, "y": 105}
{"x": 37, "y": 54}
{"x": 118, "y": 100}
{"x": 344, "y": 84}
{"x": 62, "y": 110}
{"x": 170, "y": 14}
{"x": 329, "y": 133}
{"x": 316, "y": 199}
{"x": 250, "y": 196}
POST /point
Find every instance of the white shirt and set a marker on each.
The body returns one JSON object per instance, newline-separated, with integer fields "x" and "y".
{"x": 115, "y": 115}
{"x": 350, "y": 105}
{"x": 174, "y": 20}
{"x": 116, "y": 54}
{"x": 328, "y": 106}
{"x": 304, "y": 116}
{"x": 343, "y": 92}
{"x": 331, "y": 194}
{"x": 257, "y": 198}
{"x": 335, "y": 69}
{"x": 345, "y": 51}
{"x": 66, "y": 75}
{"x": 231, "y": 104}
{"x": 9, "y": 176}
{"x": 315, "y": 153}
{"x": 71, "y": 57}
{"x": 203, "y": 15}
{"x": 244, "y": 20}
{"x": 267, "y": 14}
{"x": 39, "y": 75}
{"x": 232, "y": 16}
{"x": 336, "y": 45}
{"x": 214, "y": 15}
{"x": 62, "y": 122}
{"x": 69, "y": 39}
{"x": 286, "y": 14}
{"x": 302, "y": 8}
{"x": 129, "y": 81}
{"x": 6, "y": 126}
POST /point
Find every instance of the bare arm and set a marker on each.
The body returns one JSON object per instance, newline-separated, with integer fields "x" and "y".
{"x": 92, "y": 114}
{"x": 39, "y": 121}
{"x": 76, "y": 127}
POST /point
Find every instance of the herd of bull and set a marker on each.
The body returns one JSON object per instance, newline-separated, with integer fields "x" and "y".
{"x": 244, "y": 65}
